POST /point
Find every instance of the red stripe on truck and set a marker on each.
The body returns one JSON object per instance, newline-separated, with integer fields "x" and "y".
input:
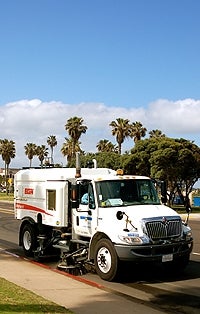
{"x": 30, "y": 207}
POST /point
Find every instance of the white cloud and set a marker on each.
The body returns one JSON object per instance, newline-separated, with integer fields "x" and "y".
{"x": 179, "y": 117}
{"x": 33, "y": 121}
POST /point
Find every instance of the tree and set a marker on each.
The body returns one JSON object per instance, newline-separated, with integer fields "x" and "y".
{"x": 7, "y": 151}
{"x": 121, "y": 130}
{"x": 105, "y": 146}
{"x": 138, "y": 161}
{"x": 176, "y": 161}
{"x": 75, "y": 128}
{"x": 189, "y": 165}
{"x": 68, "y": 149}
{"x": 30, "y": 151}
{"x": 137, "y": 131}
{"x": 42, "y": 152}
{"x": 52, "y": 142}
{"x": 156, "y": 133}
{"x": 109, "y": 160}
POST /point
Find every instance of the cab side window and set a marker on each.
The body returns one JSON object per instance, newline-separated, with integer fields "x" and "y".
{"x": 83, "y": 193}
{"x": 87, "y": 195}
{"x": 91, "y": 197}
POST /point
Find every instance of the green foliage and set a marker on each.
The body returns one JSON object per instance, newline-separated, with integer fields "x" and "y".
{"x": 137, "y": 131}
{"x": 120, "y": 129}
{"x": 108, "y": 160}
{"x": 106, "y": 146}
{"x": 30, "y": 151}
{"x": 6, "y": 197}
{"x": 52, "y": 142}
{"x": 104, "y": 160}
{"x": 176, "y": 161}
{"x": 69, "y": 148}
{"x": 140, "y": 157}
{"x": 7, "y": 152}
{"x": 75, "y": 129}
{"x": 42, "y": 152}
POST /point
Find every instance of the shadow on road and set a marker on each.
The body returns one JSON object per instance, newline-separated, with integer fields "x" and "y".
{"x": 152, "y": 273}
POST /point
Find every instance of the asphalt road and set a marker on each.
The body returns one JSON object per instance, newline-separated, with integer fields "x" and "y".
{"x": 180, "y": 294}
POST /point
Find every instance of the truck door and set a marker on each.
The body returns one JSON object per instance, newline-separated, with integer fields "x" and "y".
{"x": 85, "y": 221}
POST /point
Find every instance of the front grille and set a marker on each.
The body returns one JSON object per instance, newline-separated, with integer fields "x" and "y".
{"x": 164, "y": 228}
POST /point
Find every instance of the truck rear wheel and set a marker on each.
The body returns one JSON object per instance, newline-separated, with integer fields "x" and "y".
{"x": 29, "y": 239}
{"x": 106, "y": 260}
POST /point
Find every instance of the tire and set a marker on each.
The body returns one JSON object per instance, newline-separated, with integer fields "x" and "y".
{"x": 106, "y": 260}
{"x": 29, "y": 239}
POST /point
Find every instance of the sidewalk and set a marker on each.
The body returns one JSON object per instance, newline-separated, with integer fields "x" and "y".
{"x": 192, "y": 216}
{"x": 73, "y": 293}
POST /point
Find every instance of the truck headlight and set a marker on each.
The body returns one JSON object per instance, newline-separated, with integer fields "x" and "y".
{"x": 134, "y": 239}
{"x": 188, "y": 235}
{"x": 187, "y": 232}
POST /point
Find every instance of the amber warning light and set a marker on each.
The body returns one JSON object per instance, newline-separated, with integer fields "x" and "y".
{"x": 120, "y": 172}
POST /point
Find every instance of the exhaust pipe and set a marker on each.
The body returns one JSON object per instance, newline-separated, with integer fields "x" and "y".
{"x": 78, "y": 165}
{"x": 95, "y": 163}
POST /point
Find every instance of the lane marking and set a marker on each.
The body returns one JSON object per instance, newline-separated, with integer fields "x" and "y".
{"x": 194, "y": 253}
{"x": 7, "y": 211}
{"x": 9, "y": 253}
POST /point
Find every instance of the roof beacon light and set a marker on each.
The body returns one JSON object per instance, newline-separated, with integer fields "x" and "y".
{"x": 120, "y": 172}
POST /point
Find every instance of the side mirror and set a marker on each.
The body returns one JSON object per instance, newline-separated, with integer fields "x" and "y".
{"x": 119, "y": 215}
{"x": 74, "y": 196}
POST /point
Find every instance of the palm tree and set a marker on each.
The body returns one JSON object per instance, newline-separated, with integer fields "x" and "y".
{"x": 42, "y": 152}
{"x": 68, "y": 148}
{"x": 105, "y": 146}
{"x": 156, "y": 134}
{"x": 30, "y": 151}
{"x": 120, "y": 129}
{"x": 7, "y": 151}
{"x": 52, "y": 142}
{"x": 75, "y": 128}
{"x": 137, "y": 131}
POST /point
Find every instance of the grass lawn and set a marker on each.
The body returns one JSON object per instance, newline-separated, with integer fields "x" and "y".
{"x": 5, "y": 197}
{"x": 181, "y": 209}
{"x": 14, "y": 299}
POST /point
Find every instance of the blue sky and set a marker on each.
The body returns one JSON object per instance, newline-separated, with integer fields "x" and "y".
{"x": 100, "y": 60}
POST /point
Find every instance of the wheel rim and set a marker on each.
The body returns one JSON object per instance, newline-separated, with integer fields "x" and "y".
{"x": 104, "y": 260}
{"x": 27, "y": 240}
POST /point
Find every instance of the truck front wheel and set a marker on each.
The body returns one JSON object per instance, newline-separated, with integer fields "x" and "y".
{"x": 106, "y": 260}
{"x": 29, "y": 239}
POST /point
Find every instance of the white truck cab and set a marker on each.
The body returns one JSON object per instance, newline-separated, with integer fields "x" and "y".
{"x": 100, "y": 216}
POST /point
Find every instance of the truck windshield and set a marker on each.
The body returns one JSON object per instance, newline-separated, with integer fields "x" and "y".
{"x": 126, "y": 192}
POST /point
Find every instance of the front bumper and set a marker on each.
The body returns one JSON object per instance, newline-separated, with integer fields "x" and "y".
{"x": 153, "y": 252}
